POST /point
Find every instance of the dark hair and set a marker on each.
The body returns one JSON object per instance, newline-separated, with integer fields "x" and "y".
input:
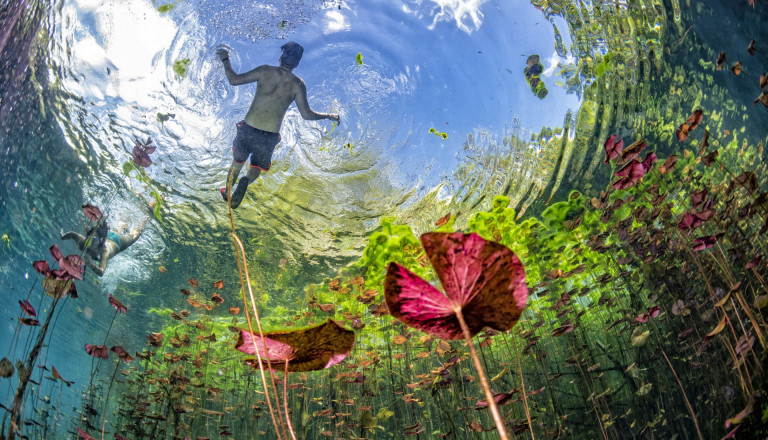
{"x": 98, "y": 236}
{"x": 292, "y": 52}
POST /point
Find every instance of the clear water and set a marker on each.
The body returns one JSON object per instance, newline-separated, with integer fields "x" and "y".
{"x": 82, "y": 80}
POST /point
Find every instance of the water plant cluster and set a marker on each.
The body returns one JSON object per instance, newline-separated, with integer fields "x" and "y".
{"x": 644, "y": 316}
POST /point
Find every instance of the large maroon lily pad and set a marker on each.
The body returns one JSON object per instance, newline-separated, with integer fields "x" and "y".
{"x": 307, "y": 349}
{"x": 482, "y": 278}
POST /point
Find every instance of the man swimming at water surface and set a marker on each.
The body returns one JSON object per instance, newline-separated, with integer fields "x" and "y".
{"x": 258, "y": 134}
{"x": 105, "y": 243}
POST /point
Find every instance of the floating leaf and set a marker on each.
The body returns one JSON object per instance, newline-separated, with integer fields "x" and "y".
{"x": 639, "y": 337}
{"x": 668, "y": 165}
{"x": 57, "y": 376}
{"x": 193, "y": 282}
{"x": 219, "y": 284}
{"x": 41, "y": 266}
{"x": 92, "y": 212}
{"x": 359, "y": 58}
{"x": 710, "y": 158}
{"x": 29, "y": 321}
{"x": 162, "y": 269}
{"x": 738, "y": 418}
{"x": 122, "y": 353}
{"x": 718, "y": 328}
{"x": 563, "y": 329}
{"x": 483, "y": 279}
{"x": 180, "y": 67}
{"x": 6, "y": 368}
{"x": 701, "y": 243}
{"x": 97, "y": 351}
{"x": 234, "y": 310}
{"x": 736, "y": 69}
{"x": 612, "y": 147}
{"x": 631, "y": 174}
{"x": 140, "y": 153}
{"x": 443, "y": 220}
{"x": 217, "y": 299}
{"x": 721, "y": 59}
{"x": 114, "y": 302}
{"x": 308, "y": 349}
{"x": 27, "y": 308}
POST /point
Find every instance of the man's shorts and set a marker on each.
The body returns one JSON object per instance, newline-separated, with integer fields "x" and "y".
{"x": 259, "y": 144}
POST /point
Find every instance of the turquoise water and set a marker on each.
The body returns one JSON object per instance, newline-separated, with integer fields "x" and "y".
{"x": 83, "y": 80}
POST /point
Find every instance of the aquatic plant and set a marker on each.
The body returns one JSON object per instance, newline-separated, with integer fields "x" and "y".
{"x": 484, "y": 286}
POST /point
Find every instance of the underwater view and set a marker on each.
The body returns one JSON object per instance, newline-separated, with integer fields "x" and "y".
{"x": 459, "y": 219}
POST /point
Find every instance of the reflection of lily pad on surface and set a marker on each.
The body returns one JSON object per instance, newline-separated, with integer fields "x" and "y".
{"x": 307, "y": 349}
{"x": 533, "y": 72}
{"x": 438, "y": 133}
{"x": 180, "y": 67}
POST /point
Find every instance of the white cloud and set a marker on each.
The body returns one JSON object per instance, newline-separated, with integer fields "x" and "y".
{"x": 553, "y": 61}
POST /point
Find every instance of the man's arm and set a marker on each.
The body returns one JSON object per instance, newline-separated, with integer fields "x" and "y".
{"x": 233, "y": 77}
{"x": 99, "y": 270}
{"x": 308, "y": 113}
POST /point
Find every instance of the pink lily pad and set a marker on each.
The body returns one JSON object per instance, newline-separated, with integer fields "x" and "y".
{"x": 483, "y": 279}
{"x": 630, "y": 174}
{"x": 56, "y": 253}
{"x": 612, "y": 148}
{"x": 92, "y": 212}
{"x": 27, "y": 308}
{"x": 73, "y": 265}
{"x": 308, "y": 349}
{"x": 140, "y": 153}
{"x": 650, "y": 159}
{"x": 701, "y": 243}
{"x": 41, "y": 266}
{"x": 119, "y": 306}
{"x": 97, "y": 351}
{"x": 120, "y": 351}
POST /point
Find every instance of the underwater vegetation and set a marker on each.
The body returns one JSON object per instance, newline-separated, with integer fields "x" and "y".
{"x": 588, "y": 321}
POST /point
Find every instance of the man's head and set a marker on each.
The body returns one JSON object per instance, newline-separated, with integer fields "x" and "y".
{"x": 292, "y": 53}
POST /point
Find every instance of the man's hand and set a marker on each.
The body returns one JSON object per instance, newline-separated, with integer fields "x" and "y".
{"x": 223, "y": 54}
{"x": 334, "y": 117}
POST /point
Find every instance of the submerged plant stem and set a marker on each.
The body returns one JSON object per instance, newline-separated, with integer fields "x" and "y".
{"x": 285, "y": 400}
{"x": 481, "y": 376}
{"x": 522, "y": 389}
{"x": 106, "y": 401}
{"x": 244, "y": 265}
{"x": 682, "y": 390}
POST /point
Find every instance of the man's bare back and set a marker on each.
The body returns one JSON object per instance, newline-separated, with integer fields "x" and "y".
{"x": 276, "y": 88}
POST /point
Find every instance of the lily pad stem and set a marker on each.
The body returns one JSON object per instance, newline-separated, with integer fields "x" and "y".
{"x": 481, "y": 376}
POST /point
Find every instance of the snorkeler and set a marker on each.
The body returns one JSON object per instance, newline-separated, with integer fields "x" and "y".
{"x": 258, "y": 134}
{"x": 105, "y": 243}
